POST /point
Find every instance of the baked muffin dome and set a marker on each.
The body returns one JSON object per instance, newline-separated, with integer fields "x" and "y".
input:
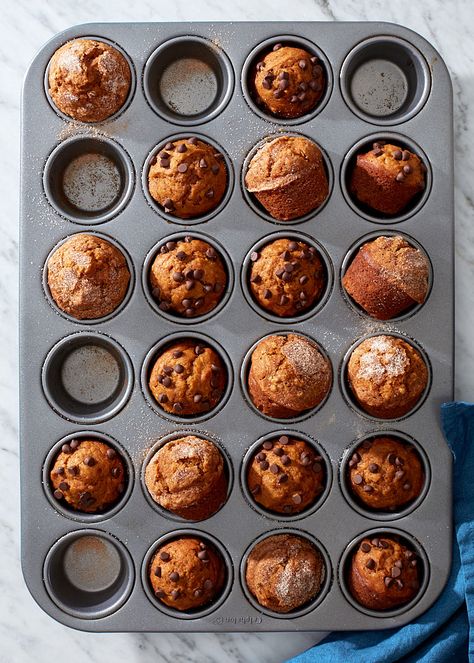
{"x": 384, "y": 573}
{"x": 288, "y": 81}
{"x": 284, "y": 572}
{"x": 89, "y": 80}
{"x": 188, "y": 277}
{"x": 385, "y": 474}
{"x": 387, "y": 376}
{"x": 187, "y": 477}
{"x": 286, "y": 475}
{"x": 287, "y": 277}
{"x": 188, "y": 178}
{"x": 188, "y": 378}
{"x": 387, "y": 178}
{"x": 87, "y": 475}
{"x": 288, "y": 376}
{"x": 387, "y": 276}
{"x": 187, "y": 573}
{"x": 288, "y": 177}
{"x": 88, "y": 277}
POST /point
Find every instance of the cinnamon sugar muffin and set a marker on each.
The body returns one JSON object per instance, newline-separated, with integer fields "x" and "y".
{"x": 387, "y": 376}
{"x": 187, "y": 476}
{"x": 384, "y": 573}
{"x": 288, "y": 376}
{"x": 387, "y": 277}
{"x": 89, "y": 80}
{"x": 288, "y": 177}
{"x": 284, "y": 572}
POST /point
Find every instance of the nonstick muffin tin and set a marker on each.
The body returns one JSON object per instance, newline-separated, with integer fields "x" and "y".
{"x": 89, "y": 378}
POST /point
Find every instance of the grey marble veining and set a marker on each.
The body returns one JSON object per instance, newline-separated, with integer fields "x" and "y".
{"x": 26, "y": 633}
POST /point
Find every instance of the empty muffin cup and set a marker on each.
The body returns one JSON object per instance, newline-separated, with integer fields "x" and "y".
{"x": 88, "y": 179}
{"x": 87, "y": 377}
{"x": 188, "y": 80}
{"x": 88, "y": 574}
{"x": 385, "y": 80}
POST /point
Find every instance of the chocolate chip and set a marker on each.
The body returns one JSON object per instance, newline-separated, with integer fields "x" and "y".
{"x": 388, "y": 581}
{"x": 374, "y": 468}
{"x": 276, "y": 47}
{"x": 264, "y": 465}
{"x": 177, "y": 407}
{"x": 302, "y": 64}
{"x": 164, "y": 556}
{"x": 174, "y": 576}
{"x": 407, "y": 169}
{"x": 294, "y": 99}
{"x": 162, "y": 398}
{"x": 278, "y": 452}
{"x": 370, "y": 564}
{"x": 211, "y": 253}
{"x": 66, "y": 449}
{"x": 315, "y": 85}
{"x": 193, "y": 140}
{"x": 400, "y": 177}
{"x": 208, "y": 584}
{"x": 175, "y": 594}
{"x": 168, "y": 204}
{"x": 283, "y": 478}
{"x": 303, "y": 87}
{"x": 182, "y": 148}
{"x": 383, "y": 544}
{"x": 283, "y": 84}
{"x": 283, "y": 76}
{"x": 303, "y": 279}
{"x": 405, "y": 155}
{"x": 406, "y": 486}
{"x": 171, "y": 246}
{"x": 198, "y": 274}
{"x": 164, "y": 306}
{"x": 399, "y": 474}
{"x": 267, "y": 294}
{"x": 283, "y": 439}
{"x": 395, "y": 572}
{"x": 197, "y": 398}
{"x": 254, "y": 256}
{"x": 366, "y": 444}
{"x": 178, "y": 277}
{"x": 60, "y": 471}
{"x": 266, "y": 84}
{"x": 111, "y": 453}
{"x": 208, "y": 287}
{"x": 183, "y": 167}
{"x": 166, "y": 382}
{"x": 413, "y": 562}
{"x": 288, "y": 267}
{"x": 73, "y": 471}
{"x": 378, "y": 153}
{"x": 399, "y": 583}
{"x": 89, "y": 461}
{"x": 409, "y": 554}
{"x": 165, "y": 163}
{"x": 187, "y": 302}
{"x": 365, "y": 547}
{"x": 198, "y": 593}
{"x": 160, "y": 594}
{"x": 115, "y": 472}
{"x": 158, "y": 571}
{"x": 255, "y": 490}
{"x": 261, "y": 456}
{"x": 169, "y": 146}
{"x": 58, "y": 495}
{"x": 277, "y": 94}
{"x": 358, "y": 479}
{"x": 317, "y": 467}
{"x": 297, "y": 499}
{"x": 274, "y": 469}
{"x": 397, "y": 155}
{"x": 399, "y": 461}
{"x": 375, "y": 542}
{"x": 177, "y": 354}
{"x": 367, "y": 489}
{"x": 267, "y": 445}
{"x": 199, "y": 349}
{"x": 215, "y": 168}
{"x": 283, "y": 300}
{"x": 74, "y": 444}
{"x": 203, "y": 555}
{"x": 391, "y": 459}
{"x": 398, "y": 563}
{"x": 189, "y": 285}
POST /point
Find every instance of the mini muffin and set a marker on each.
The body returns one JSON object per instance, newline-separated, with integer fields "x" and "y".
{"x": 87, "y": 475}
{"x": 387, "y": 277}
{"x": 188, "y": 277}
{"x": 288, "y": 82}
{"x": 288, "y": 177}
{"x": 188, "y": 178}
{"x": 286, "y": 475}
{"x": 88, "y": 80}
{"x": 387, "y": 178}
{"x": 287, "y": 277}
{"x": 284, "y": 572}
{"x": 187, "y": 476}
{"x": 288, "y": 376}
{"x": 384, "y": 573}
{"x": 385, "y": 474}
{"x": 88, "y": 277}
{"x": 187, "y": 573}
{"x": 188, "y": 378}
{"x": 387, "y": 376}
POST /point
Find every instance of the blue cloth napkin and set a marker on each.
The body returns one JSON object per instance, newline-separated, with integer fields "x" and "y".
{"x": 445, "y": 633}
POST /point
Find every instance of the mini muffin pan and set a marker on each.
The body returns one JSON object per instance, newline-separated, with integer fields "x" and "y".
{"x": 90, "y": 378}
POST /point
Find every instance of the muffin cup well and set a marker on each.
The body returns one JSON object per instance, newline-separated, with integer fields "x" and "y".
{"x": 116, "y": 195}
{"x": 346, "y": 558}
{"x": 364, "y": 145}
{"x": 86, "y": 376}
{"x": 362, "y": 508}
{"x": 351, "y": 254}
{"x": 320, "y": 499}
{"x": 228, "y": 470}
{"x": 210, "y": 86}
{"x": 175, "y": 318}
{"x": 258, "y": 208}
{"x": 193, "y": 220}
{"x": 88, "y": 574}
{"x": 402, "y": 76}
{"x": 266, "y": 46}
{"x": 123, "y": 303}
{"x": 62, "y": 506}
{"x": 347, "y": 392}
{"x": 245, "y": 368}
{"x": 311, "y": 605}
{"x": 125, "y": 105}
{"x": 307, "y": 313}
{"x": 198, "y": 612}
{"x": 150, "y": 359}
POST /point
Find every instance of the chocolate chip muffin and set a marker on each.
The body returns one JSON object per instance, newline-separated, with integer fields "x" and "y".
{"x": 385, "y": 474}
{"x": 187, "y": 573}
{"x": 188, "y": 378}
{"x": 88, "y": 277}
{"x": 287, "y": 277}
{"x": 188, "y": 277}
{"x": 286, "y": 475}
{"x": 188, "y": 178}
{"x": 187, "y": 477}
{"x": 88, "y": 80}
{"x": 284, "y": 572}
{"x": 387, "y": 277}
{"x": 384, "y": 573}
{"x": 387, "y": 178}
{"x": 387, "y": 376}
{"x": 288, "y": 81}
{"x": 288, "y": 177}
{"x": 87, "y": 475}
{"x": 288, "y": 376}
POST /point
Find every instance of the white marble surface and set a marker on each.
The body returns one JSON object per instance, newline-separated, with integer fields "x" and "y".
{"x": 26, "y": 633}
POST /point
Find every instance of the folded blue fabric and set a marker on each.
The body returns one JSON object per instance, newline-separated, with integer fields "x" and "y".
{"x": 446, "y": 631}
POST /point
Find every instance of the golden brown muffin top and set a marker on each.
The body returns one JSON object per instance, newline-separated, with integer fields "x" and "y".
{"x": 401, "y": 164}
